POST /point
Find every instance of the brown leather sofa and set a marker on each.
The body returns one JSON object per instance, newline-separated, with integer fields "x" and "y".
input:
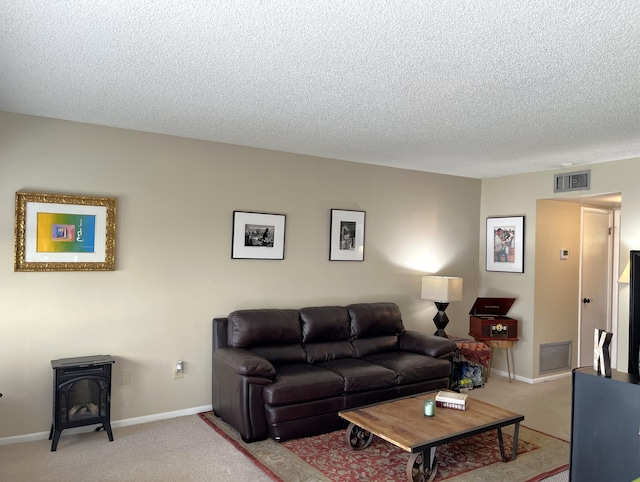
{"x": 287, "y": 373}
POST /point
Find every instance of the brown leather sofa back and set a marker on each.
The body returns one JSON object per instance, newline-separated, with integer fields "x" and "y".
{"x": 264, "y": 327}
{"x": 375, "y": 319}
{"x": 325, "y": 323}
{"x": 316, "y": 334}
{"x": 375, "y": 327}
{"x": 325, "y": 333}
{"x": 273, "y": 334}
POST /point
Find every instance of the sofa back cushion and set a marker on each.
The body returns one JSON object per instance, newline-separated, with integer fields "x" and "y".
{"x": 273, "y": 334}
{"x": 325, "y": 323}
{"x": 375, "y": 327}
{"x": 249, "y": 328}
{"x": 325, "y": 333}
{"x": 369, "y": 320}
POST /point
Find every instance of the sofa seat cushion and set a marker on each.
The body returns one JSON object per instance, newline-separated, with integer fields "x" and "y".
{"x": 295, "y": 411}
{"x": 361, "y": 375}
{"x": 412, "y": 367}
{"x": 301, "y": 382}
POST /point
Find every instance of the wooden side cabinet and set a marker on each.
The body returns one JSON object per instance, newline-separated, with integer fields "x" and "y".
{"x": 605, "y": 427}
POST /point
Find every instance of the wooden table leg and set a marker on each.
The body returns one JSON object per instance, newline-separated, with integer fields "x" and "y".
{"x": 490, "y": 362}
{"x": 506, "y": 344}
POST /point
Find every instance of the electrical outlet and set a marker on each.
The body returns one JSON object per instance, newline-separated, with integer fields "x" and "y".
{"x": 178, "y": 371}
{"x": 126, "y": 377}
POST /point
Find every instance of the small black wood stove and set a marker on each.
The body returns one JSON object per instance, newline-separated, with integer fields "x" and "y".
{"x": 81, "y": 394}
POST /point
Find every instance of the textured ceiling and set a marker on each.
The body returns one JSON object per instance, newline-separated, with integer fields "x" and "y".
{"x": 471, "y": 88}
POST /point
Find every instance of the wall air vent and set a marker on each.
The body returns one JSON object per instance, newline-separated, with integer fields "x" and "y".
{"x": 572, "y": 181}
{"x": 554, "y": 356}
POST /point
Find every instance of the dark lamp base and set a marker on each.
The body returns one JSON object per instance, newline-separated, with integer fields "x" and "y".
{"x": 441, "y": 320}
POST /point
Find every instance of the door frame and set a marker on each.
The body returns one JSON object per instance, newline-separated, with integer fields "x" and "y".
{"x": 615, "y": 289}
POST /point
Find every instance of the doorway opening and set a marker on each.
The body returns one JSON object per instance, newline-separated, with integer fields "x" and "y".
{"x": 559, "y": 268}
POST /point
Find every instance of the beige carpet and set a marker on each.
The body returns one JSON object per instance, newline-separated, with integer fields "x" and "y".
{"x": 546, "y": 406}
{"x": 186, "y": 449}
{"x": 178, "y": 449}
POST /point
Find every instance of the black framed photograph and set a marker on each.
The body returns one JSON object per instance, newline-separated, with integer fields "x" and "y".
{"x": 257, "y": 235}
{"x": 346, "y": 241}
{"x": 505, "y": 244}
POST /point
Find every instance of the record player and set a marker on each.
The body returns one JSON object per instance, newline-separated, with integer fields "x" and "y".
{"x": 488, "y": 319}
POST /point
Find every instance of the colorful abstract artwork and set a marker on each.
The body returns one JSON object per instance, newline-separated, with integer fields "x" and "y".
{"x": 62, "y": 232}
{"x": 65, "y": 233}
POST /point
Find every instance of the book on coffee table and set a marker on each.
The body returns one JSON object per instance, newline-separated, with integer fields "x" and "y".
{"x": 454, "y": 400}
{"x": 454, "y": 406}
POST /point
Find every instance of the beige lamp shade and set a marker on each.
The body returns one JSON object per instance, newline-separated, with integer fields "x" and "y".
{"x": 441, "y": 288}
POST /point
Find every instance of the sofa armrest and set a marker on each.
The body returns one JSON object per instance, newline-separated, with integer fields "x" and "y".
{"x": 238, "y": 379}
{"x": 244, "y": 363}
{"x": 435, "y": 346}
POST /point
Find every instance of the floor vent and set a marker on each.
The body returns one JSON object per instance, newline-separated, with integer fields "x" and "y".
{"x": 572, "y": 181}
{"x": 554, "y": 357}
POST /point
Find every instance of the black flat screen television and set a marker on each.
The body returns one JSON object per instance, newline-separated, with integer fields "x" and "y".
{"x": 634, "y": 311}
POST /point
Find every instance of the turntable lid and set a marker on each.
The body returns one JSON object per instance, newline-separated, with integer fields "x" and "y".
{"x": 491, "y": 306}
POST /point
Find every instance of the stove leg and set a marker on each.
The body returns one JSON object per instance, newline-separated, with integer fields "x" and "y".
{"x": 107, "y": 427}
{"x": 56, "y": 437}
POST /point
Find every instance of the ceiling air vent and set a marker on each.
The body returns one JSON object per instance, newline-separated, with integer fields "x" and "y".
{"x": 572, "y": 181}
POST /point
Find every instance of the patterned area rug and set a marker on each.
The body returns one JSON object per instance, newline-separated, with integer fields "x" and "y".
{"x": 328, "y": 457}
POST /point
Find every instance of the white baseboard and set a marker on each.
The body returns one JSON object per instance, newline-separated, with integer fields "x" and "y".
{"x": 114, "y": 424}
{"x": 532, "y": 381}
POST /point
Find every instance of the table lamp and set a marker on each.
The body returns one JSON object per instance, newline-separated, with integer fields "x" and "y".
{"x": 441, "y": 290}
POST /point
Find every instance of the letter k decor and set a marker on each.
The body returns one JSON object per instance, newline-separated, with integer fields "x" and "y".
{"x": 601, "y": 352}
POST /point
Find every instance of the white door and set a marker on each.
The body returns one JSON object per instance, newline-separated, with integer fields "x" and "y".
{"x": 595, "y": 279}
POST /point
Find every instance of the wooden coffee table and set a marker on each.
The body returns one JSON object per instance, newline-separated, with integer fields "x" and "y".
{"x": 402, "y": 423}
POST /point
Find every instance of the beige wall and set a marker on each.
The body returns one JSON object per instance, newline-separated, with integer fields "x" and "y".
{"x": 174, "y": 273}
{"x": 556, "y": 280}
{"x": 517, "y": 195}
{"x": 512, "y": 196}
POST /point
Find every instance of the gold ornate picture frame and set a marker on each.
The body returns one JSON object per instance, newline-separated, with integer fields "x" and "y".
{"x": 58, "y": 232}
